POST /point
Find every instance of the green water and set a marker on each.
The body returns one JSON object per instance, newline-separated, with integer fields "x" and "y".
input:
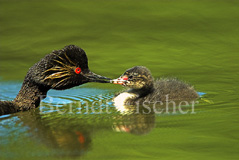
{"x": 196, "y": 41}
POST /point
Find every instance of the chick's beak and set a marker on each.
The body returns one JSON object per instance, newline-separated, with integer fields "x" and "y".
{"x": 92, "y": 77}
{"x": 121, "y": 80}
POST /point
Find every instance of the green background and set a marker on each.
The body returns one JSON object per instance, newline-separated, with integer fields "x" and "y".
{"x": 196, "y": 41}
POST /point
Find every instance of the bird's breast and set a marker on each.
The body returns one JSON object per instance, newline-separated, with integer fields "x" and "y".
{"x": 121, "y": 99}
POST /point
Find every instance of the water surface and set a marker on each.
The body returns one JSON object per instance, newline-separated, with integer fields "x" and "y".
{"x": 196, "y": 41}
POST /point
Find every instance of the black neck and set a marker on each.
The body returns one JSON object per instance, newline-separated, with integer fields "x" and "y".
{"x": 30, "y": 95}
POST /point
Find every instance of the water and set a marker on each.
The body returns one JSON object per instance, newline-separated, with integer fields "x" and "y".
{"x": 194, "y": 41}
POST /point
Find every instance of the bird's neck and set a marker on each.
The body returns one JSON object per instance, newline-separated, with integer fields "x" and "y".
{"x": 30, "y": 95}
{"x": 143, "y": 91}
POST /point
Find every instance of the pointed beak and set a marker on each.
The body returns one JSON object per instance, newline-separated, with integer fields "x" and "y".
{"x": 92, "y": 77}
{"x": 121, "y": 80}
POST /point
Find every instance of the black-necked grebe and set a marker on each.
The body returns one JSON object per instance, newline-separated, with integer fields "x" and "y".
{"x": 144, "y": 88}
{"x": 61, "y": 69}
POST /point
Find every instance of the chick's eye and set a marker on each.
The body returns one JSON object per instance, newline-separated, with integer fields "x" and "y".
{"x": 130, "y": 77}
{"x": 78, "y": 70}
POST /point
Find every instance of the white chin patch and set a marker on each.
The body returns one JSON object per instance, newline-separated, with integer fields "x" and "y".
{"x": 120, "y": 100}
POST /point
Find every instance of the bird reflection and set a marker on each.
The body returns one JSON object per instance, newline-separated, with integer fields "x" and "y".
{"x": 134, "y": 119}
{"x": 71, "y": 136}
{"x": 67, "y": 140}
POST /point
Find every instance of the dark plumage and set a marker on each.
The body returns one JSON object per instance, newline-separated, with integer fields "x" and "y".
{"x": 61, "y": 69}
{"x": 144, "y": 88}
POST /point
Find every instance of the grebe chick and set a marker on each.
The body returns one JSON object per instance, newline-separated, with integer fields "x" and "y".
{"x": 61, "y": 69}
{"x": 143, "y": 87}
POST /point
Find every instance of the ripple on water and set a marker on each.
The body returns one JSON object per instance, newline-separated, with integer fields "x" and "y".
{"x": 59, "y": 99}
{"x": 79, "y": 98}
{"x": 8, "y": 91}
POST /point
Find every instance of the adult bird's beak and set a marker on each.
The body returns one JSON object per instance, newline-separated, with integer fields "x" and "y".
{"x": 92, "y": 77}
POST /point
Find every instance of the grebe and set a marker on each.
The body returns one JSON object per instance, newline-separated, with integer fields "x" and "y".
{"x": 143, "y": 87}
{"x": 61, "y": 69}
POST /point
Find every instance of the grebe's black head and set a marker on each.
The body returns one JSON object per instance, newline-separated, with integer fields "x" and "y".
{"x": 138, "y": 77}
{"x": 63, "y": 69}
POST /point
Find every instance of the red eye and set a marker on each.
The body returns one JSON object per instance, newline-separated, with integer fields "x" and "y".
{"x": 78, "y": 70}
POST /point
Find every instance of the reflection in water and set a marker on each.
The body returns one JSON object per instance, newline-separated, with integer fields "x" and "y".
{"x": 134, "y": 119}
{"x": 67, "y": 140}
{"x": 71, "y": 136}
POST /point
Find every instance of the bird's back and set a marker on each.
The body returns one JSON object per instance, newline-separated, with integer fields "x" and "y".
{"x": 171, "y": 89}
